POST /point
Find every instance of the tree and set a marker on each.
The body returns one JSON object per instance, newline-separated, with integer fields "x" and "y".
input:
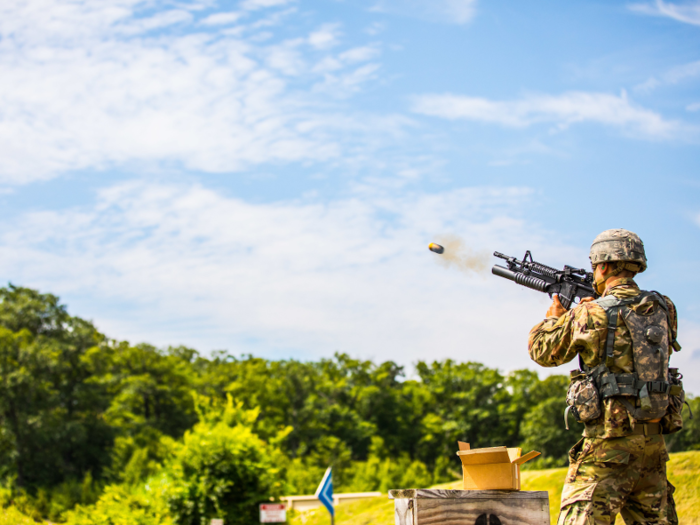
{"x": 223, "y": 469}
{"x": 49, "y": 410}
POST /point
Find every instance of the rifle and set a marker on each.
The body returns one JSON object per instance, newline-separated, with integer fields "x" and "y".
{"x": 569, "y": 283}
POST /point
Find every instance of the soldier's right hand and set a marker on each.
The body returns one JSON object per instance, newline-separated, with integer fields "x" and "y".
{"x": 556, "y": 309}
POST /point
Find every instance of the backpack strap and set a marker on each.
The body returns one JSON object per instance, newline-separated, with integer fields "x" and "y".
{"x": 612, "y": 306}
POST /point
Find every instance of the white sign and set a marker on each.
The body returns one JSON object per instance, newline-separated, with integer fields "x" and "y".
{"x": 217, "y": 522}
{"x": 273, "y": 513}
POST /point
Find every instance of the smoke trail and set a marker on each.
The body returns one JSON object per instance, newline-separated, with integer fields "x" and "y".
{"x": 458, "y": 255}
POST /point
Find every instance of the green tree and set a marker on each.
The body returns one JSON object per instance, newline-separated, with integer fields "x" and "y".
{"x": 222, "y": 468}
{"x": 471, "y": 403}
{"x": 543, "y": 427}
{"x": 49, "y": 410}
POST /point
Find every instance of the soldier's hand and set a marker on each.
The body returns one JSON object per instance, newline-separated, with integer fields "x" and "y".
{"x": 556, "y": 310}
{"x": 586, "y": 300}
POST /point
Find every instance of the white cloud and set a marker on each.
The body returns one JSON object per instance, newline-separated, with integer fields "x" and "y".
{"x": 562, "y": 110}
{"x": 325, "y": 37}
{"x": 448, "y": 11}
{"x": 221, "y": 18}
{"x": 683, "y": 72}
{"x": 672, "y": 76}
{"x": 88, "y": 85}
{"x": 695, "y": 106}
{"x": 182, "y": 264}
{"x": 359, "y": 54}
{"x": 688, "y": 12}
{"x": 188, "y": 265}
{"x": 253, "y": 5}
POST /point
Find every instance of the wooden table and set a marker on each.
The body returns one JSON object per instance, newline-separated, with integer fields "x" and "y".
{"x": 470, "y": 507}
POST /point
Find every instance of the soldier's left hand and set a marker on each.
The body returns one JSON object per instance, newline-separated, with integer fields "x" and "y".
{"x": 556, "y": 309}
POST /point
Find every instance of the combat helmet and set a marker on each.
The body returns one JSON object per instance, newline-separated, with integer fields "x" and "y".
{"x": 619, "y": 245}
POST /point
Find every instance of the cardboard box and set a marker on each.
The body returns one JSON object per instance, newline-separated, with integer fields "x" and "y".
{"x": 496, "y": 468}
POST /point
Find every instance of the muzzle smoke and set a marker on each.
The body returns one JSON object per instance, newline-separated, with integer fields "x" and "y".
{"x": 459, "y": 256}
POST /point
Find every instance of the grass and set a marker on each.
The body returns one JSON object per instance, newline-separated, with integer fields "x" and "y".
{"x": 683, "y": 471}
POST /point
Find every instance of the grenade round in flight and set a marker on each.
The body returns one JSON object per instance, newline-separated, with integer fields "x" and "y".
{"x": 434, "y": 247}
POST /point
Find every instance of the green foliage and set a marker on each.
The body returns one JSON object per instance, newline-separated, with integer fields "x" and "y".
{"x": 382, "y": 471}
{"x": 124, "y": 505}
{"x": 159, "y": 428}
{"x": 50, "y": 425}
{"x": 543, "y": 428}
{"x": 12, "y": 516}
{"x": 222, "y": 469}
{"x": 147, "y": 388}
{"x": 136, "y": 458}
{"x": 50, "y": 502}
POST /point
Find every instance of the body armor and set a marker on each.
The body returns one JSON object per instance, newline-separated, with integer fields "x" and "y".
{"x": 647, "y": 392}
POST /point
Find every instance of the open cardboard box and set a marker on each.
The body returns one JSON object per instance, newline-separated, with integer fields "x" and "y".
{"x": 496, "y": 468}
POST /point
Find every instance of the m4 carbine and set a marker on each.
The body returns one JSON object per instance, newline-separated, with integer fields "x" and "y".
{"x": 569, "y": 283}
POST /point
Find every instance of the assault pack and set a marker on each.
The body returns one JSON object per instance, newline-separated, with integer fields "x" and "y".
{"x": 647, "y": 392}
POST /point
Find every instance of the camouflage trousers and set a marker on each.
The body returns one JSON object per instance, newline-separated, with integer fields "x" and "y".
{"x": 624, "y": 475}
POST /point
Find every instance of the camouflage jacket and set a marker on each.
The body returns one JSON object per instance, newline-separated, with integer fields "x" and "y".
{"x": 583, "y": 331}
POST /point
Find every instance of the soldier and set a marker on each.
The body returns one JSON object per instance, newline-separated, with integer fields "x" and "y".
{"x": 624, "y": 393}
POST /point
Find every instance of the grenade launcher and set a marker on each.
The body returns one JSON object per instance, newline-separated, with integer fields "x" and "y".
{"x": 569, "y": 283}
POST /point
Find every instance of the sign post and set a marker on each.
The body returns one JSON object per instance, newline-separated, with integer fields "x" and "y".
{"x": 273, "y": 513}
{"x": 324, "y": 493}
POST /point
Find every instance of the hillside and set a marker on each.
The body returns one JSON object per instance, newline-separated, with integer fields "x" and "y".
{"x": 682, "y": 468}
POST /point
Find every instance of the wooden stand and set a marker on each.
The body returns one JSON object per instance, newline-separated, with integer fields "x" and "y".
{"x": 470, "y": 507}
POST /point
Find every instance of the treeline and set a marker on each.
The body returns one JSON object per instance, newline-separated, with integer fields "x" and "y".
{"x": 171, "y": 436}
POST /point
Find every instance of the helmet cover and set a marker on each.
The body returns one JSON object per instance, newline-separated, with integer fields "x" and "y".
{"x": 619, "y": 245}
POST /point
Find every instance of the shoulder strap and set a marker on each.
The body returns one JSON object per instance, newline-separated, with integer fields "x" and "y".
{"x": 612, "y": 306}
{"x": 607, "y": 302}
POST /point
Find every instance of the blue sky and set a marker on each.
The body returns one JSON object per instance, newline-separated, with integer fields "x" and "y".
{"x": 264, "y": 176}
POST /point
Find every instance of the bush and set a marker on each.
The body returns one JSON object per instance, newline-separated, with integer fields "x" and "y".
{"x": 11, "y": 516}
{"x": 383, "y": 472}
{"x": 222, "y": 469}
{"x": 124, "y": 505}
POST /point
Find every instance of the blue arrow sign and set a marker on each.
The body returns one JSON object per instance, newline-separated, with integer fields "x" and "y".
{"x": 324, "y": 492}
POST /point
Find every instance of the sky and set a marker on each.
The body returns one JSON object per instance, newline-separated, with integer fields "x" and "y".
{"x": 264, "y": 176}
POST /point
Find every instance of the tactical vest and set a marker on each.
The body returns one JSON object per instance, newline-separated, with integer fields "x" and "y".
{"x": 645, "y": 392}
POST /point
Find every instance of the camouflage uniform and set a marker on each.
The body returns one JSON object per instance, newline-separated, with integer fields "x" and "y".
{"x": 613, "y": 469}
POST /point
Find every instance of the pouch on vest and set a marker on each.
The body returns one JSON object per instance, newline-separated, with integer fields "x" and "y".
{"x": 582, "y": 398}
{"x": 673, "y": 420}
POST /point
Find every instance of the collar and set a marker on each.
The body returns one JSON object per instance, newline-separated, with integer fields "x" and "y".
{"x": 620, "y": 282}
